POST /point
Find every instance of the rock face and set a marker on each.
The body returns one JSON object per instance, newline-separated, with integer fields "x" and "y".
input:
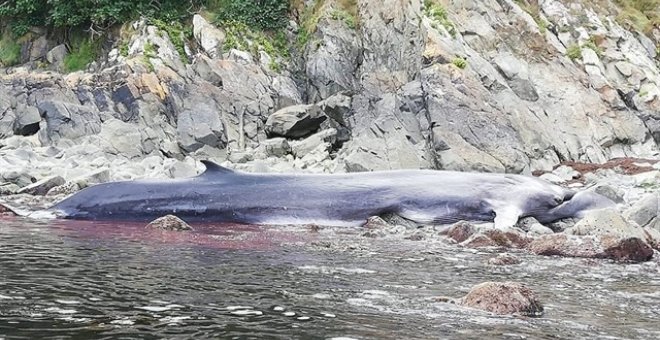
{"x": 169, "y": 222}
{"x": 391, "y": 89}
{"x": 503, "y": 298}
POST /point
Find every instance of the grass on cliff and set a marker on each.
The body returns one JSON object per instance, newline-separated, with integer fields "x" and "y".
{"x": 534, "y": 10}
{"x": 10, "y": 52}
{"x": 642, "y": 15}
{"x": 82, "y": 52}
{"x": 438, "y": 13}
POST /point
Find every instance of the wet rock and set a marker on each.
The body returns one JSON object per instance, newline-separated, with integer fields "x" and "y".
{"x": 461, "y": 231}
{"x": 65, "y": 189}
{"x": 492, "y": 237}
{"x": 602, "y": 247}
{"x": 169, "y": 222}
{"x": 6, "y": 211}
{"x": 41, "y": 187}
{"x": 630, "y": 249}
{"x": 604, "y": 222}
{"x": 295, "y": 121}
{"x": 503, "y": 260}
{"x": 503, "y": 298}
{"x": 646, "y": 212}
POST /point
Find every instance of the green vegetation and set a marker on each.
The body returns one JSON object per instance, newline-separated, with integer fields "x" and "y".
{"x": 438, "y": 13}
{"x": 82, "y": 52}
{"x": 239, "y": 36}
{"x": 641, "y": 15}
{"x": 309, "y": 20}
{"x": 459, "y": 62}
{"x": 593, "y": 45}
{"x": 260, "y": 14}
{"x": 10, "y": 52}
{"x": 177, "y": 32}
{"x": 149, "y": 50}
{"x": 94, "y": 14}
{"x": 574, "y": 52}
{"x": 349, "y": 20}
{"x": 532, "y": 8}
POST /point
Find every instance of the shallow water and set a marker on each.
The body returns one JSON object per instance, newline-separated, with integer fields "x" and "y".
{"x": 74, "y": 280}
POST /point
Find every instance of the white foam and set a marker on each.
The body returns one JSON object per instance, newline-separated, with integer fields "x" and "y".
{"x": 159, "y": 308}
{"x": 61, "y": 310}
{"x": 245, "y": 312}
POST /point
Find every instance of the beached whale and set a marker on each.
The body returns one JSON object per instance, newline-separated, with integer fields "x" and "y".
{"x": 424, "y": 196}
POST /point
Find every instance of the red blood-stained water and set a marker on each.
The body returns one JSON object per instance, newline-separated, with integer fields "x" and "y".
{"x": 212, "y": 235}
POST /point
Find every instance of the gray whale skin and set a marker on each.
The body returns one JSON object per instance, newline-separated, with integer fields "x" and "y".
{"x": 423, "y": 196}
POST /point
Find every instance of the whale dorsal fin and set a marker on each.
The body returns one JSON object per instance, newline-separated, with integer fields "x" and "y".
{"x": 215, "y": 169}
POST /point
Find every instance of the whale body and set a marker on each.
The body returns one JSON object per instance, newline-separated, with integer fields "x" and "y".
{"x": 349, "y": 199}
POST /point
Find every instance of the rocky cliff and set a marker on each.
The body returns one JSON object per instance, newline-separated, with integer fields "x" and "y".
{"x": 487, "y": 85}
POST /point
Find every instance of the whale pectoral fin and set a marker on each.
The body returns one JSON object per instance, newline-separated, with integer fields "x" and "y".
{"x": 506, "y": 217}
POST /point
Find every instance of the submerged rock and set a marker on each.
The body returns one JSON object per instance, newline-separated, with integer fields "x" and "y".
{"x": 503, "y": 260}
{"x": 169, "y": 222}
{"x": 503, "y": 298}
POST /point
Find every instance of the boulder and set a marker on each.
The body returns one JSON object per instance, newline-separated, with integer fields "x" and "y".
{"x": 621, "y": 249}
{"x": 277, "y": 147}
{"x": 27, "y": 122}
{"x": 169, "y": 223}
{"x": 503, "y": 298}
{"x": 461, "y": 231}
{"x": 646, "y": 211}
{"x": 209, "y": 37}
{"x": 295, "y": 121}
{"x": 605, "y": 222}
{"x": 43, "y": 186}
{"x": 66, "y": 120}
{"x": 56, "y": 56}
{"x": 200, "y": 126}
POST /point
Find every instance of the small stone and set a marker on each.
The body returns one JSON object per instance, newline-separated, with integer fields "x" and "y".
{"x": 41, "y": 187}
{"x": 503, "y": 298}
{"x": 169, "y": 222}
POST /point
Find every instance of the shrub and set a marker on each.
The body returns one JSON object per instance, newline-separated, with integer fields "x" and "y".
{"x": 574, "y": 52}
{"x": 439, "y": 14}
{"x": 10, "y": 52}
{"x": 459, "y": 62}
{"x": 82, "y": 53}
{"x": 257, "y": 14}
